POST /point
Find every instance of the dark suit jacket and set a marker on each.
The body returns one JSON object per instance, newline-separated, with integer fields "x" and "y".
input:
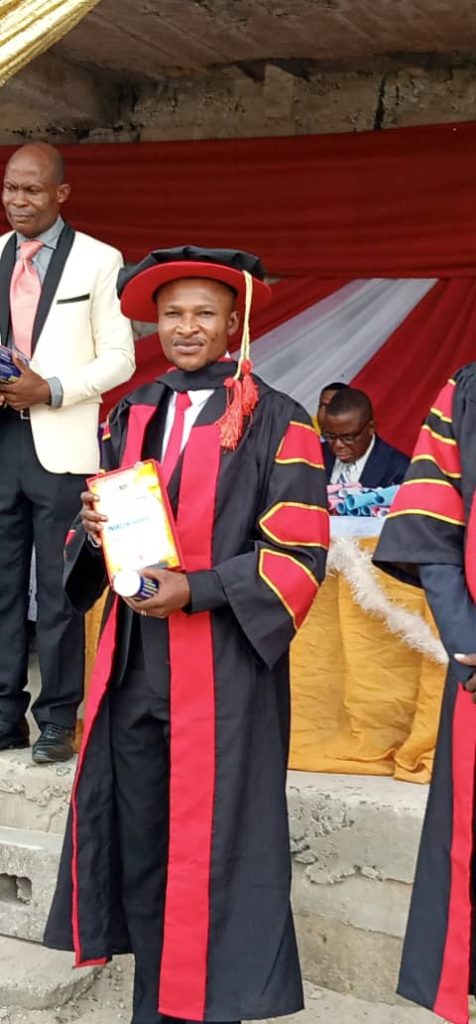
{"x": 384, "y": 467}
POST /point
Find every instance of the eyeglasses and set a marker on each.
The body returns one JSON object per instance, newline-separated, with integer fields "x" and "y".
{"x": 349, "y": 439}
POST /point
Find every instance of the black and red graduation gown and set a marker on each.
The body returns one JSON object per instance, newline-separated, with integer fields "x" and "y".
{"x": 429, "y": 539}
{"x": 253, "y": 527}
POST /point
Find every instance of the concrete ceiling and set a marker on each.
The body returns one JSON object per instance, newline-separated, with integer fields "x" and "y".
{"x": 149, "y": 38}
{"x": 125, "y": 50}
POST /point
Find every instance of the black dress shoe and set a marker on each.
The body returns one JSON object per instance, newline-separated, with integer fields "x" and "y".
{"x": 54, "y": 744}
{"x": 14, "y": 736}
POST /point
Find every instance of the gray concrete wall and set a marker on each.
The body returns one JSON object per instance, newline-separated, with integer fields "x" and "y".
{"x": 66, "y": 103}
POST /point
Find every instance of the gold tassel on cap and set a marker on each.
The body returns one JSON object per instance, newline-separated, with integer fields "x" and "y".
{"x": 243, "y": 394}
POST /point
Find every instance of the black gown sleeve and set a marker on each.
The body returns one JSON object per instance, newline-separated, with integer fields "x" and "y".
{"x": 206, "y": 591}
{"x": 454, "y": 611}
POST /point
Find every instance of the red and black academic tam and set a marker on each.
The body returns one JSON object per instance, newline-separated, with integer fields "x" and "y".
{"x": 137, "y": 285}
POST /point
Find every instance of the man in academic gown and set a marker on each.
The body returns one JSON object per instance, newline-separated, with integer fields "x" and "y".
{"x": 177, "y": 847}
{"x": 429, "y": 539}
{"x": 353, "y": 451}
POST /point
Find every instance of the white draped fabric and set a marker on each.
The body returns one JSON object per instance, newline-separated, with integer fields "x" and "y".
{"x": 336, "y": 337}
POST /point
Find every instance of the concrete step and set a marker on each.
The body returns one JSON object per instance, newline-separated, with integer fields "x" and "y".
{"x": 354, "y": 841}
{"x": 34, "y": 796}
{"x": 354, "y": 845}
{"x": 35, "y": 978}
{"x": 28, "y": 869}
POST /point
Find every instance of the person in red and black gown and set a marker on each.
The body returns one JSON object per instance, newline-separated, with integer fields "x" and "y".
{"x": 178, "y": 846}
{"x": 429, "y": 540}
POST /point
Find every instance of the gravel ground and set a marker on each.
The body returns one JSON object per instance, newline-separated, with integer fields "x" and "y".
{"x": 108, "y": 1001}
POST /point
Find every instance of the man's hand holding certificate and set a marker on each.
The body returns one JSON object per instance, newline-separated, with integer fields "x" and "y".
{"x": 20, "y": 386}
{"x": 128, "y": 513}
{"x": 173, "y": 593}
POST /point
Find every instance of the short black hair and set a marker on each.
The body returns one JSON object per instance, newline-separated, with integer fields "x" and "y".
{"x": 350, "y": 400}
{"x": 337, "y": 385}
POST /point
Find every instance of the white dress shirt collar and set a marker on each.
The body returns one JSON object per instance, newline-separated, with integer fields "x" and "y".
{"x": 197, "y": 401}
{"x": 50, "y": 237}
{"x": 351, "y": 472}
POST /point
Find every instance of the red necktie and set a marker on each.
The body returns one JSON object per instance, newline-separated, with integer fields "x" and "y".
{"x": 25, "y": 291}
{"x": 174, "y": 446}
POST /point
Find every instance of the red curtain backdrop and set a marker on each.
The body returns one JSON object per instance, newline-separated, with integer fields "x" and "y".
{"x": 405, "y": 375}
{"x": 382, "y": 204}
{"x": 319, "y": 210}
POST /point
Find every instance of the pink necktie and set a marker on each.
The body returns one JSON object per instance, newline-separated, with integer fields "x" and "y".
{"x": 174, "y": 446}
{"x": 25, "y": 291}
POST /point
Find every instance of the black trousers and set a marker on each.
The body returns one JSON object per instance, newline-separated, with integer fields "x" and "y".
{"x": 36, "y": 507}
{"x": 140, "y": 742}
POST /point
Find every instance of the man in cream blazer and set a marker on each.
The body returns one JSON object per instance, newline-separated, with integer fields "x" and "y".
{"x": 79, "y": 346}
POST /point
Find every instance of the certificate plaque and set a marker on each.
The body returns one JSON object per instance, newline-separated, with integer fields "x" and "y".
{"x": 140, "y": 530}
{"x": 8, "y": 371}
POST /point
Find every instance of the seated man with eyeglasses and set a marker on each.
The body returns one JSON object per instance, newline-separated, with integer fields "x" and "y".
{"x": 353, "y": 452}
